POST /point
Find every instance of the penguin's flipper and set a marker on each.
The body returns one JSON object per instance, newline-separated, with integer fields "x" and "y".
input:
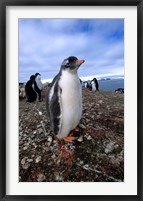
{"x": 54, "y": 107}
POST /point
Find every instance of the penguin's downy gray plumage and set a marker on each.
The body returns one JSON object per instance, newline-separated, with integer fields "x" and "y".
{"x": 64, "y": 98}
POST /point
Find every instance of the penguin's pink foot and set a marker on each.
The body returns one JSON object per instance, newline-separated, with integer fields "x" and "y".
{"x": 69, "y": 139}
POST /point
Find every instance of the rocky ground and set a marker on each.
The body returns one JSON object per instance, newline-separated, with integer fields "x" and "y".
{"x": 97, "y": 154}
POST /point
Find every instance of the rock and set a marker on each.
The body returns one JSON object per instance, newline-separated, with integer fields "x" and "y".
{"x": 29, "y": 160}
{"x": 58, "y": 178}
{"x": 24, "y": 148}
{"x": 82, "y": 126}
{"x": 46, "y": 148}
{"x": 81, "y": 162}
{"x": 53, "y": 156}
{"x": 40, "y": 130}
{"x": 25, "y": 166}
{"x": 39, "y": 126}
{"x": 40, "y": 113}
{"x": 41, "y": 177}
{"x": 88, "y": 137}
{"x": 86, "y": 167}
{"x": 23, "y": 160}
{"x": 38, "y": 159}
{"x": 116, "y": 146}
{"x": 100, "y": 101}
{"x": 80, "y": 139}
{"x": 49, "y": 139}
{"x": 109, "y": 147}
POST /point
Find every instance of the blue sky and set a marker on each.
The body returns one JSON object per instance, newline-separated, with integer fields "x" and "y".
{"x": 45, "y": 43}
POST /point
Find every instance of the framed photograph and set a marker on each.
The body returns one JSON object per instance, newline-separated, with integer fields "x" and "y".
{"x": 71, "y": 100}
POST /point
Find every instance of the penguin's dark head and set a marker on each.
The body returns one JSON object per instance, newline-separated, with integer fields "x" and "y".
{"x": 32, "y": 77}
{"x": 37, "y": 74}
{"x": 71, "y": 64}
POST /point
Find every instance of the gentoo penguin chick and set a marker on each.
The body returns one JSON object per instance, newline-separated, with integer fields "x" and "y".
{"x": 64, "y": 99}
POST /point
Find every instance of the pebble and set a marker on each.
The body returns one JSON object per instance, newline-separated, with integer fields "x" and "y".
{"x": 82, "y": 126}
{"x": 40, "y": 113}
{"x": 46, "y": 134}
{"x": 23, "y": 160}
{"x": 86, "y": 167}
{"x": 80, "y": 139}
{"x": 25, "y": 166}
{"x": 20, "y": 129}
{"x": 53, "y": 156}
{"x": 58, "y": 178}
{"x": 38, "y": 159}
{"x": 41, "y": 177}
{"x": 100, "y": 101}
{"x": 40, "y": 130}
{"x": 88, "y": 137}
{"x": 116, "y": 146}
{"x": 81, "y": 162}
{"x": 46, "y": 148}
{"x": 49, "y": 139}
{"x": 29, "y": 160}
{"x": 109, "y": 147}
{"x": 39, "y": 126}
{"x": 24, "y": 148}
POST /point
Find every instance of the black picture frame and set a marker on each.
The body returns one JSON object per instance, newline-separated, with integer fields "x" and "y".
{"x": 3, "y": 5}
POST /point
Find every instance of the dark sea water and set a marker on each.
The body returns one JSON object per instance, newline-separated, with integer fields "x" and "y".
{"x": 111, "y": 85}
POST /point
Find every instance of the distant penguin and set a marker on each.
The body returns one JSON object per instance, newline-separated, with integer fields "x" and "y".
{"x": 119, "y": 90}
{"x": 85, "y": 84}
{"x": 64, "y": 99}
{"x": 22, "y": 92}
{"x": 31, "y": 90}
{"x": 94, "y": 85}
{"x": 38, "y": 81}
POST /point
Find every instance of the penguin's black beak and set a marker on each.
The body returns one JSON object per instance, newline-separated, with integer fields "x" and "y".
{"x": 79, "y": 62}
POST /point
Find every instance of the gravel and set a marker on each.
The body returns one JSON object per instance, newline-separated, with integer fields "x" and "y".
{"x": 97, "y": 154}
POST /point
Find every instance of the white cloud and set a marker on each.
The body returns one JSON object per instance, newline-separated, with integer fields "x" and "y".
{"x": 43, "y": 44}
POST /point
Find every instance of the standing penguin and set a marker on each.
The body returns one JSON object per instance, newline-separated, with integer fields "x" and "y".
{"x": 31, "y": 90}
{"x": 64, "y": 99}
{"x": 39, "y": 85}
{"x": 94, "y": 85}
{"x": 38, "y": 81}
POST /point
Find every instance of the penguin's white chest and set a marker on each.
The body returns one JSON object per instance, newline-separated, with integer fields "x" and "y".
{"x": 71, "y": 103}
{"x": 93, "y": 86}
